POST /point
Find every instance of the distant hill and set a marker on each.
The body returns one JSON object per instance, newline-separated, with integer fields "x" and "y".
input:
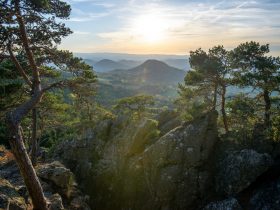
{"x": 106, "y": 65}
{"x": 154, "y": 71}
{"x": 90, "y": 61}
{"x": 126, "y": 61}
{"x": 152, "y": 77}
{"x": 130, "y": 63}
{"x": 150, "y": 72}
{"x": 179, "y": 63}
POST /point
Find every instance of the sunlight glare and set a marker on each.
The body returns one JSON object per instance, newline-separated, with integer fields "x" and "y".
{"x": 150, "y": 28}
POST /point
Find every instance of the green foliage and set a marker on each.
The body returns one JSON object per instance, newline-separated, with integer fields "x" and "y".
{"x": 255, "y": 69}
{"x": 11, "y": 86}
{"x": 242, "y": 114}
{"x": 44, "y": 31}
{"x": 206, "y": 83}
{"x": 193, "y": 102}
{"x": 258, "y": 71}
{"x": 245, "y": 66}
{"x": 135, "y": 106}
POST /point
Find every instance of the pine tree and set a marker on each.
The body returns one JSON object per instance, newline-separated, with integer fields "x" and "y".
{"x": 28, "y": 30}
{"x": 256, "y": 70}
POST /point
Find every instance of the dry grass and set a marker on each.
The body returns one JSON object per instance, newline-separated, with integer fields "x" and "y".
{"x": 5, "y": 155}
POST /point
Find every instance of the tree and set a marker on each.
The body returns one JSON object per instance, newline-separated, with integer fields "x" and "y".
{"x": 135, "y": 105}
{"x": 193, "y": 101}
{"x": 28, "y": 30}
{"x": 258, "y": 71}
{"x": 210, "y": 74}
{"x": 242, "y": 115}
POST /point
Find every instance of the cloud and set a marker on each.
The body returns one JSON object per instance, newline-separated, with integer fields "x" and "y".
{"x": 189, "y": 22}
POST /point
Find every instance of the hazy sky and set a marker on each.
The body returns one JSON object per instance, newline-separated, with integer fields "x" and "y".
{"x": 170, "y": 26}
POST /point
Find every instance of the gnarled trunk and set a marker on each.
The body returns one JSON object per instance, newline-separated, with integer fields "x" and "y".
{"x": 25, "y": 166}
{"x": 34, "y": 143}
{"x": 27, "y": 171}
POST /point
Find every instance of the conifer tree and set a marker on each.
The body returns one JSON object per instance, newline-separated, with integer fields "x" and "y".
{"x": 29, "y": 31}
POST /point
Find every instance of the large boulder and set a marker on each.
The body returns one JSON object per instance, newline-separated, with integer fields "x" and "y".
{"x": 239, "y": 169}
{"x": 57, "y": 174}
{"x": 173, "y": 168}
{"x": 135, "y": 167}
{"x": 267, "y": 197}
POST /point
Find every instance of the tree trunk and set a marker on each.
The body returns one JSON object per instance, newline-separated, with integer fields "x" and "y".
{"x": 267, "y": 101}
{"x": 25, "y": 166}
{"x": 223, "y": 108}
{"x": 15, "y": 117}
{"x": 215, "y": 96}
{"x": 34, "y": 143}
{"x": 27, "y": 171}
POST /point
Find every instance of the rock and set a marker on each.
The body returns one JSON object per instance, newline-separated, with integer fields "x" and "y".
{"x": 4, "y": 201}
{"x": 239, "y": 169}
{"x": 133, "y": 168}
{"x": 79, "y": 203}
{"x": 55, "y": 202}
{"x": 23, "y": 192}
{"x": 57, "y": 174}
{"x": 56, "y": 180}
{"x": 9, "y": 197}
{"x": 228, "y": 204}
{"x": 175, "y": 164}
{"x": 144, "y": 135}
{"x": 168, "y": 120}
{"x": 9, "y": 170}
{"x": 267, "y": 197}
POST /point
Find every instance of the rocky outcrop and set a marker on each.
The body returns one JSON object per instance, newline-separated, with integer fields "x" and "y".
{"x": 173, "y": 169}
{"x": 161, "y": 164}
{"x": 136, "y": 167}
{"x": 57, "y": 175}
{"x": 9, "y": 197}
{"x": 140, "y": 165}
{"x": 239, "y": 169}
{"x": 57, "y": 181}
{"x": 267, "y": 197}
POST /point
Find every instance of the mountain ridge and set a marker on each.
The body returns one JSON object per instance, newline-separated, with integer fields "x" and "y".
{"x": 151, "y": 71}
{"x": 106, "y": 65}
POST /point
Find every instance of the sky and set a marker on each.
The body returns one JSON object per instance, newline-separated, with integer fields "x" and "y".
{"x": 170, "y": 26}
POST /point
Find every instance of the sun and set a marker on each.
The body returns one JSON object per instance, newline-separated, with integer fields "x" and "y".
{"x": 149, "y": 28}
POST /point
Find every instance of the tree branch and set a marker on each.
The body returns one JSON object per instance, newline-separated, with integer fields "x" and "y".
{"x": 17, "y": 115}
{"x": 59, "y": 84}
{"x": 19, "y": 67}
{"x": 23, "y": 33}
